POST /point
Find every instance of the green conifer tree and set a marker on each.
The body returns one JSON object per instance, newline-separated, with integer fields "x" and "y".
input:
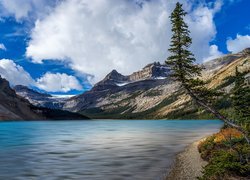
{"x": 184, "y": 69}
{"x": 182, "y": 60}
{"x": 241, "y": 100}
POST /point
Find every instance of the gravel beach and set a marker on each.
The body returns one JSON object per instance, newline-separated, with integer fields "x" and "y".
{"x": 188, "y": 164}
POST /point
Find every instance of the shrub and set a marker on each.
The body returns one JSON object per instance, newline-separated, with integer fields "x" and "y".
{"x": 223, "y": 164}
{"x": 227, "y": 154}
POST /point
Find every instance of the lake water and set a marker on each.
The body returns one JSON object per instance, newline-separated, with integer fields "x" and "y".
{"x": 99, "y": 149}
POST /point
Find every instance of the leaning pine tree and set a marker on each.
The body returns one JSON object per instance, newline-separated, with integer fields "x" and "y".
{"x": 184, "y": 69}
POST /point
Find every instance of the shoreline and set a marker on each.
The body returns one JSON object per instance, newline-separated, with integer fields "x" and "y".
{"x": 188, "y": 164}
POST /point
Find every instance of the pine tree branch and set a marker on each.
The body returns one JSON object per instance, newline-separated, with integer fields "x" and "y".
{"x": 212, "y": 110}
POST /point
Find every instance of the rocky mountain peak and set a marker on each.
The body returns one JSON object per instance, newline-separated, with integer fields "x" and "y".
{"x": 153, "y": 70}
{"x": 114, "y": 75}
{"x": 5, "y": 87}
{"x": 111, "y": 80}
{"x": 14, "y": 107}
{"x": 3, "y": 82}
{"x": 25, "y": 91}
{"x": 246, "y": 51}
{"x": 39, "y": 99}
{"x": 114, "y": 72}
{"x": 21, "y": 87}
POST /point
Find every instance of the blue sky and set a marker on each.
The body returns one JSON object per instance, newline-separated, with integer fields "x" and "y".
{"x": 65, "y": 46}
{"x": 233, "y": 19}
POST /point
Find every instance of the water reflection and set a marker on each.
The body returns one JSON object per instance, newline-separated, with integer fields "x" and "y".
{"x": 95, "y": 149}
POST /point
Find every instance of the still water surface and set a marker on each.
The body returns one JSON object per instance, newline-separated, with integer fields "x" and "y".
{"x": 100, "y": 149}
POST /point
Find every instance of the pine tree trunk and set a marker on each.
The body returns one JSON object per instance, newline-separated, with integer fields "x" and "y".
{"x": 218, "y": 114}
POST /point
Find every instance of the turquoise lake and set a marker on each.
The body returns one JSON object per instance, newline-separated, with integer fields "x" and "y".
{"x": 96, "y": 149}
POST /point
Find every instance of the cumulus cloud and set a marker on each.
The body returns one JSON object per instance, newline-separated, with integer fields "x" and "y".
{"x": 58, "y": 82}
{"x": 2, "y": 47}
{"x": 213, "y": 53}
{"x": 96, "y": 36}
{"x": 23, "y": 8}
{"x": 14, "y": 73}
{"x": 238, "y": 44}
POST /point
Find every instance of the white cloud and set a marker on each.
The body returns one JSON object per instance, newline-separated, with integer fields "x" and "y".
{"x": 23, "y": 8}
{"x": 58, "y": 82}
{"x": 14, "y": 73}
{"x": 213, "y": 53}
{"x": 19, "y": 8}
{"x": 2, "y": 47}
{"x": 238, "y": 44}
{"x": 97, "y": 36}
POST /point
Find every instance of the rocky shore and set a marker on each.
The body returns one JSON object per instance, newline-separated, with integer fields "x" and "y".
{"x": 188, "y": 164}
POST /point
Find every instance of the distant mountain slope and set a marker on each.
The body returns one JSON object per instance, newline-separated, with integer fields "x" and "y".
{"x": 116, "y": 88}
{"x": 14, "y": 107}
{"x": 151, "y": 93}
{"x": 39, "y": 99}
{"x": 154, "y": 97}
{"x": 151, "y": 71}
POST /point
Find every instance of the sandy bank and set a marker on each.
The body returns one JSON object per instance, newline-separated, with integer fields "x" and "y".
{"x": 188, "y": 164}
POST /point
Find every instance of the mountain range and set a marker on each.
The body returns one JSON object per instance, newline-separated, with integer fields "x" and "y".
{"x": 149, "y": 93}
{"x": 15, "y": 107}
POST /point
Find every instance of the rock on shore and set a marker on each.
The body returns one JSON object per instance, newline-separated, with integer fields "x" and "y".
{"x": 188, "y": 164}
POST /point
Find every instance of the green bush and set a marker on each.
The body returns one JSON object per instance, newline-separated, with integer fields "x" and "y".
{"x": 225, "y": 163}
{"x": 206, "y": 147}
{"x": 227, "y": 154}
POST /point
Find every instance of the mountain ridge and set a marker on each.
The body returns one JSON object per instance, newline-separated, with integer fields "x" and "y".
{"x": 150, "y": 71}
{"x": 15, "y": 107}
{"x": 39, "y": 99}
{"x": 148, "y": 94}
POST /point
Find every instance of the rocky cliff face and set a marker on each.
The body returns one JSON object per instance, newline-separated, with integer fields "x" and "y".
{"x": 112, "y": 80}
{"x": 146, "y": 95}
{"x": 14, "y": 107}
{"x": 26, "y": 92}
{"x": 151, "y": 93}
{"x": 39, "y": 99}
{"x": 154, "y": 70}
{"x": 245, "y": 52}
{"x": 150, "y": 76}
{"x": 151, "y": 71}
